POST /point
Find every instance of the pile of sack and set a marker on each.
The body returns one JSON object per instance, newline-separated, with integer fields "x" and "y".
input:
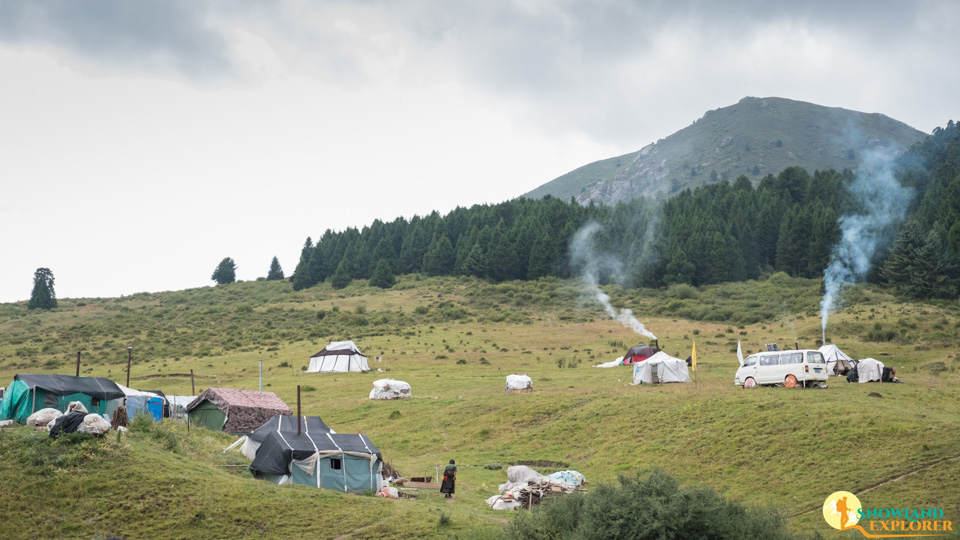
{"x": 75, "y": 419}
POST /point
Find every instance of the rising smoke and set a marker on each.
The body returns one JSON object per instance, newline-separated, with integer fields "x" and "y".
{"x": 591, "y": 264}
{"x": 883, "y": 203}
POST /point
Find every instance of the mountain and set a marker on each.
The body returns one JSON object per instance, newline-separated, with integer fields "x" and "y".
{"x": 754, "y": 137}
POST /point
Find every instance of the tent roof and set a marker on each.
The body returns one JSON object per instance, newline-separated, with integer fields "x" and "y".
{"x": 662, "y": 357}
{"x": 288, "y": 424}
{"x": 62, "y": 385}
{"x": 339, "y": 348}
{"x": 279, "y": 448}
{"x": 832, "y": 353}
{"x": 246, "y": 410}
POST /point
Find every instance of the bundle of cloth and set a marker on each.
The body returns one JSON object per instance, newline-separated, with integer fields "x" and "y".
{"x": 75, "y": 419}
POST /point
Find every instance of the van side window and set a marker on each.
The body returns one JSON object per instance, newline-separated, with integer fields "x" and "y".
{"x": 750, "y": 361}
{"x": 815, "y": 358}
{"x": 791, "y": 358}
{"x": 769, "y": 360}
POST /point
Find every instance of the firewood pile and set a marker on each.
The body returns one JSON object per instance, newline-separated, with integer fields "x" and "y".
{"x": 119, "y": 417}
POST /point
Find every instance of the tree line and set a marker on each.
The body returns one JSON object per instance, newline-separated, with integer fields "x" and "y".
{"x": 715, "y": 233}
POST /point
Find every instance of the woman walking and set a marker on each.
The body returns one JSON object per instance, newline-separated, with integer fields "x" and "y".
{"x": 449, "y": 479}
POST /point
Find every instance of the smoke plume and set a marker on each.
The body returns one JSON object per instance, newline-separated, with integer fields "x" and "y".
{"x": 883, "y": 202}
{"x": 591, "y": 265}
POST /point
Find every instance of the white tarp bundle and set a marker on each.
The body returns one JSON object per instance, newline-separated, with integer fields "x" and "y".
{"x": 660, "y": 368}
{"x": 869, "y": 369}
{"x": 43, "y": 417}
{"x": 338, "y": 357}
{"x": 524, "y": 484}
{"x": 832, "y": 354}
{"x": 518, "y": 381}
{"x": 390, "y": 389}
{"x": 612, "y": 363}
{"x": 95, "y": 424}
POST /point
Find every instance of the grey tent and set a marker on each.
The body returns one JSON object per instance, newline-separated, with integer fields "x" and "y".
{"x": 344, "y": 462}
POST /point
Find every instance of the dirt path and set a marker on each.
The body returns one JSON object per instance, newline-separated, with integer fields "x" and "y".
{"x": 889, "y": 481}
{"x": 358, "y": 529}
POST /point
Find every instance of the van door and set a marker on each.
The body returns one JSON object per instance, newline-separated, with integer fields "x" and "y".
{"x": 768, "y": 371}
{"x": 791, "y": 363}
{"x": 748, "y": 369}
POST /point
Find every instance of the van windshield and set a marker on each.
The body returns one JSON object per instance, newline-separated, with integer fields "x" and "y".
{"x": 751, "y": 360}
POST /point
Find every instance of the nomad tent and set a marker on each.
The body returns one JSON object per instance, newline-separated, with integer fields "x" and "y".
{"x": 390, "y": 389}
{"x": 234, "y": 411}
{"x": 281, "y": 423}
{"x": 338, "y": 356}
{"x": 660, "y": 368}
{"x": 838, "y": 362}
{"x": 28, "y": 394}
{"x": 638, "y": 354}
{"x": 344, "y": 462}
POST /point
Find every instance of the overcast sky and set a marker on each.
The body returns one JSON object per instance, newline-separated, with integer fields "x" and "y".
{"x": 142, "y": 142}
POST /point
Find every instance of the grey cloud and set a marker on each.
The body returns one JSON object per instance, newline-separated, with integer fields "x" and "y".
{"x": 152, "y": 35}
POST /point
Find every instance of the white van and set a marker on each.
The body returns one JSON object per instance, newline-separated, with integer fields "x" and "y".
{"x": 788, "y": 368}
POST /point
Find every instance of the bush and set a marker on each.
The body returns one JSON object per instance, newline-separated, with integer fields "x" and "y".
{"x": 651, "y": 507}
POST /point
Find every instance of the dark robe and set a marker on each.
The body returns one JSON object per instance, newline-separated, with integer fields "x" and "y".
{"x": 449, "y": 479}
{"x": 67, "y": 423}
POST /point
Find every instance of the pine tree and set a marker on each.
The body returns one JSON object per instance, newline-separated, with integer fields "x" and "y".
{"x": 476, "y": 262}
{"x": 275, "y": 272}
{"x": 382, "y": 275}
{"x": 440, "y": 258}
{"x": 341, "y": 277}
{"x": 43, "y": 295}
{"x": 226, "y": 272}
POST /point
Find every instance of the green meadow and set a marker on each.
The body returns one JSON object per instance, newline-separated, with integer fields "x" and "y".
{"x": 455, "y": 340}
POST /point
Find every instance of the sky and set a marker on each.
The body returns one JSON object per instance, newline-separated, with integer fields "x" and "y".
{"x": 143, "y": 142}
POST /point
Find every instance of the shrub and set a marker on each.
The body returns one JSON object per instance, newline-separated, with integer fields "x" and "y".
{"x": 651, "y": 507}
{"x": 461, "y": 361}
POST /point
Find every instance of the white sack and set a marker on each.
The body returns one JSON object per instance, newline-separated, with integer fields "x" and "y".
{"x": 517, "y": 381}
{"x": 43, "y": 417}
{"x": 390, "y": 389}
{"x": 95, "y": 424}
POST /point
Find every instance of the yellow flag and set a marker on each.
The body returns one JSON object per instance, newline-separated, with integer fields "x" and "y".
{"x": 694, "y": 355}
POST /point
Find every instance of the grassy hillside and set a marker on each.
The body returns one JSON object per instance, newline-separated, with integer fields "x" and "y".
{"x": 754, "y": 137}
{"x": 455, "y": 340}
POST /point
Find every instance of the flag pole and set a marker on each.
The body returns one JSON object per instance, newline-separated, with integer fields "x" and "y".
{"x": 694, "y": 355}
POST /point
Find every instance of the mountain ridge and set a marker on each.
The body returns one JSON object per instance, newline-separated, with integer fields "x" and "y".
{"x": 753, "y": 137}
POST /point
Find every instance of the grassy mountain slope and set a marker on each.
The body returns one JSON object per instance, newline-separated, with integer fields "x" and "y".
{"x": 754, "y": 137}
{"x": 455, "y": 340}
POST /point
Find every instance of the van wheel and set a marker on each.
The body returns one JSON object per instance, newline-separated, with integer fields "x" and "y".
{"x": 790, "y": 381}
{"x": 749, "y": 383}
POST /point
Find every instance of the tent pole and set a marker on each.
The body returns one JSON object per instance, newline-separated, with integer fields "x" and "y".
{"x": 78, "y": 363}
{"x": 193, "y": 389}
{"x": 298, "y": 409}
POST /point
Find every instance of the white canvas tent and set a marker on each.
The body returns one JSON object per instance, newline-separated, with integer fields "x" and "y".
{"x": 660, "y": 368}
{"x": 869, "y": 370}
{"x": 338, "y": 357}
{"x": 838, "y": 362}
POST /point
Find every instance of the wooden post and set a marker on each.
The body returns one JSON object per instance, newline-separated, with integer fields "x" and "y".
{"x": 78, "y": 363}
{"x": 129, "y": 356}
{"x": 298, "y": 409}
{"x": 193, "y": 389}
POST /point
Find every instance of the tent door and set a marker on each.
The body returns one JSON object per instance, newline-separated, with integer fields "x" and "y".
{"x": 655, "y": 374}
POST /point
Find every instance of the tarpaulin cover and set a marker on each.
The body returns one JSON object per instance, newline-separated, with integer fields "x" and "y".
{"x": 345, "y": 462}
{"x": 517, "y": 381}
{"x": 249, "y": 444}
{"x": 390, "y": 389}
{"x": 245, "y": 410}
{"x": 638, "y": 353}
{"x": 869, "y": 370}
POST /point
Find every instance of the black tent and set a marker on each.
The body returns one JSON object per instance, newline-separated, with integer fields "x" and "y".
{"x": 344, "y": 462}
